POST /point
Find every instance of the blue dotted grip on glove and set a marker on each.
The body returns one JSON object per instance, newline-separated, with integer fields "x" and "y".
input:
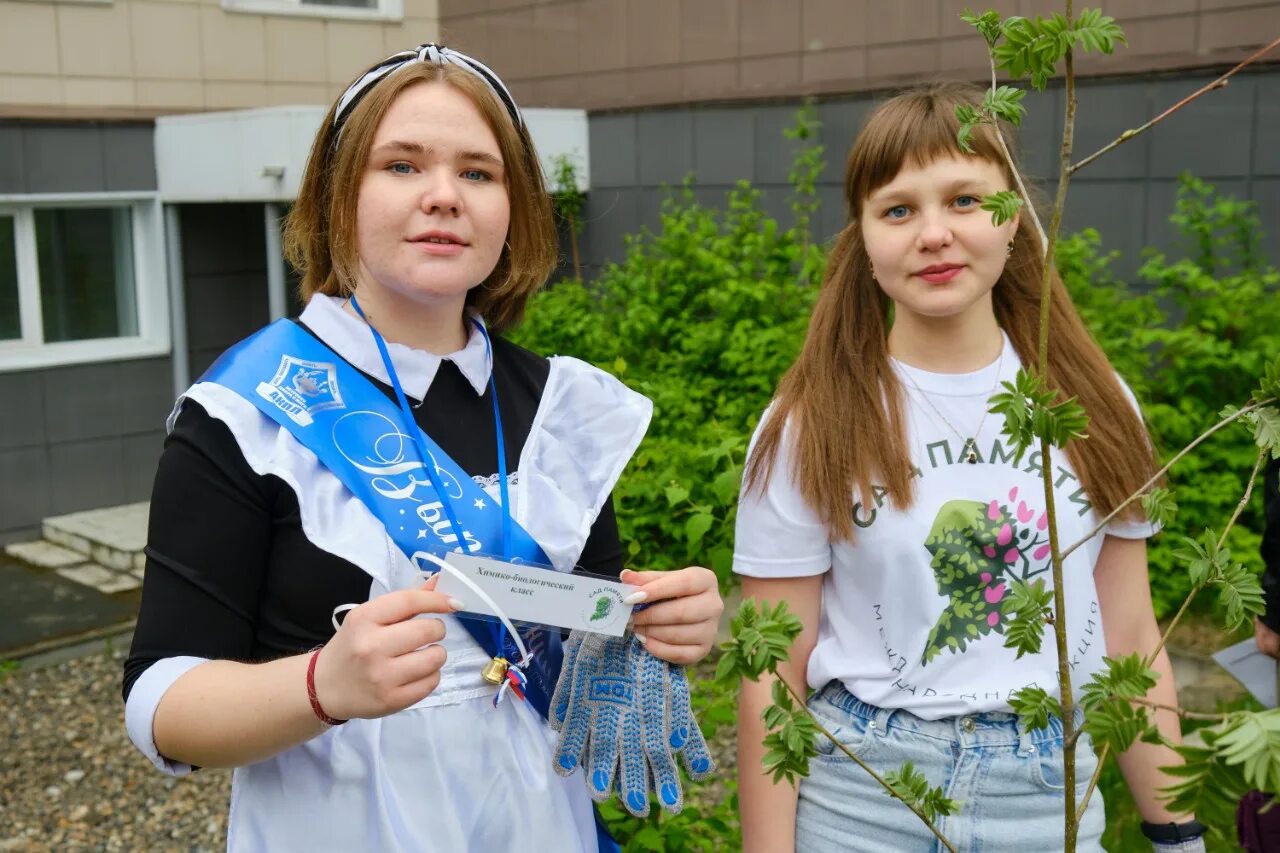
{"x": 628, "y": 714}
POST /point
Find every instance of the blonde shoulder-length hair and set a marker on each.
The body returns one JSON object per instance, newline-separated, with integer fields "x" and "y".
{"x": 841, "y": 402}
{"x": 320, "y": 230}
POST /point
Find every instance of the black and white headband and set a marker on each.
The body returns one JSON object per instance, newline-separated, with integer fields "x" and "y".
{"x": 432, "y": 54}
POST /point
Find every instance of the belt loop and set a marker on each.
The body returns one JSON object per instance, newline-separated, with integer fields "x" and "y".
{"x": 881, "y": 721}
{"x": 1025, "y": 746}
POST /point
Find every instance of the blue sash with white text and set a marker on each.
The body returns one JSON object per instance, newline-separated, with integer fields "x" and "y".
{"x": 336, "y": 412}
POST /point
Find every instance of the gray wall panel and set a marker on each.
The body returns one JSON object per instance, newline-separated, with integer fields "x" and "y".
{"x": 28, "y": 505}
{"x": 1212, "y": 137}
{"x": 129, "y": 157}
{"x": 1040, "y": 137}
{"x": 68, "y": 434}
{"x": 773, "y": 150}
{"x": 613, "y": 151}
{"x": 23, "y": 421}
{"x": 144, "y": 394}
{"x": 81, "y": 401}
{"x": 831, "y": 215}
{"x": 1266, "y": 140}
{"x": 723, "y": 145}
{"x": 63, "y": 158}
{"x": 140, "y": 455}
{"x": 1266, "y": 192}
{"x": 1115, "y": 209}
{"x": 224, "y": 255}
{"x": 12, "y": 171}
{"x": 665, "y": 146}
{"x": 1229, "y": 136}
{"x": 1111, "y": 110}
{"x": 841, "y": 121}
{"x": 87, "y": 156}
{"x": 87, "y": 474}
{"x": 611, "y": 215}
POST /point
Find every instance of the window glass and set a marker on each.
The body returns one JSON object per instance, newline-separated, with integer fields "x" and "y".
{"x": 86, "y": 273}
{"x": 10, "y": 315}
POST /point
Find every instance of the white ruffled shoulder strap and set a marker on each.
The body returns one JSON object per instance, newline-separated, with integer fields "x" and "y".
{"x": 586, "y": 429}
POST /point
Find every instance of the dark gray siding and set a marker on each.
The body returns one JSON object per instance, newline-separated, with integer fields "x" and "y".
{"x": 79, "y": 437}
{"x": 86, "y": 435}
{"x": 76, "y": 157}
{"x": 225, "y": 264}
{"x": 1229, "y": 136}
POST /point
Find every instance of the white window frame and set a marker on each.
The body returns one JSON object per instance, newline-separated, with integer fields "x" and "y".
{"x": 386, "y": 10}
{"x": 151, "y": 295}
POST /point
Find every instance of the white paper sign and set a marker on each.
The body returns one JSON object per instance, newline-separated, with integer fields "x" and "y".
{"x": 543, "y": 596}
{"x": 1251, "y": 668}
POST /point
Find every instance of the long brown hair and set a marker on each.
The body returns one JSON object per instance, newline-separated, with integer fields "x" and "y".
{"x": 320, "y": 231}
{"x": 841, "y": 403}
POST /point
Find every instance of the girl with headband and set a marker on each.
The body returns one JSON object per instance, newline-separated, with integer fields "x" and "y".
{"x": 421, "y": 229}
{"x": 883, "y": 504}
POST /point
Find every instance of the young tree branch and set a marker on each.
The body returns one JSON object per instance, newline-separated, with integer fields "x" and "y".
{"x": 1220, "y": 83}
{"x": 1169, "y": 465}
{"x": 874, "y": 775}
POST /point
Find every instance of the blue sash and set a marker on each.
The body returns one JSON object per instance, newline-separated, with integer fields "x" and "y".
{"x": 356, "y": 432}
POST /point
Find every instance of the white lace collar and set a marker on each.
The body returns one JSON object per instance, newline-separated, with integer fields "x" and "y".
{"x": 349, "y": 337}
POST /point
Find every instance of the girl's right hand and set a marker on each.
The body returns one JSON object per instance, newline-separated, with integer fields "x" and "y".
{"x": 376, "y": 663}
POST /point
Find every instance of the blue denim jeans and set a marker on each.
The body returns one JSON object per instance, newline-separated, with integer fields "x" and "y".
{"x": 1008, "y": 784}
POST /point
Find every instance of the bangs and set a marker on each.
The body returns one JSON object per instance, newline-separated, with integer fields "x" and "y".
{"x": 915, "y": 129}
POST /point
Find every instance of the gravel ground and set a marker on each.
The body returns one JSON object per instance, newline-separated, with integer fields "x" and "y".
{"x": 71, "y": 780}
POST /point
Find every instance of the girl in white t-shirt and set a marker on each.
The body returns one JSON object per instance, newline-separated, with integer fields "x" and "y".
{"x": 882, "y": 503}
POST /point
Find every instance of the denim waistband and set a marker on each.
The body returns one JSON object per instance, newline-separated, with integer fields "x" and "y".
{"x": 981, "y": 728}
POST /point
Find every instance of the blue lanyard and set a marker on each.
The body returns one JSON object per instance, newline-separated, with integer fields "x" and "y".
{"x": 412, "y": 429}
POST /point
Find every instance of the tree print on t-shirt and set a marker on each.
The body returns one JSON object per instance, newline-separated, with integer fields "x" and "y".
{"x": 977, "y": 549}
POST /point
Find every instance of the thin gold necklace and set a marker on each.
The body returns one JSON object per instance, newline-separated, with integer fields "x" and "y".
{"x": 969, "y": 450}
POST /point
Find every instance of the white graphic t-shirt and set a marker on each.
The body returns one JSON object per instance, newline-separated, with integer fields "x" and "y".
{"x": 911, "y": 607}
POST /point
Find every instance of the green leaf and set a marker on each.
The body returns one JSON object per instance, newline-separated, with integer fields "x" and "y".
{"x": 1025, "y": 609}
{"x": 987, "y": 24}
{"x": 1003, "y": 206}
{"x": 1270, "y": 384}
{"x": 1253, "y": 743}
{"x": 1116, "y": 724}
{"x": 1005, "y": 103}
{"x": 1159, "y": 506}
{"x": 1123, "y": 678}
{"x": 911, "y": 786}
{"x": 760, "y": 639}
{"x": 676, "y": 494}
{"x": 1034, "y": 707}
{"x": 696, "y": 527}
{"x": 1200, "y": 558}
{"x": 1266, "y": 430}
{"x": 1096, "y": 32}
{"x": 1031, "y": 48}
{"x": 1241, "y": 595}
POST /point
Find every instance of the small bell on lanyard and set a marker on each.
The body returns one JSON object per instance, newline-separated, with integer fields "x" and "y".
{"x": 495, "y": 670}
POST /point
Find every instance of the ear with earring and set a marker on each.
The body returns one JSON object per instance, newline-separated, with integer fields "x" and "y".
{"x": 1008, "y": 252}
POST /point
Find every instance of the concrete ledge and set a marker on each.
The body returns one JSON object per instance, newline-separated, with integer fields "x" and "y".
{"x": 44, "y": 555}
{"x": 113, "y": 537}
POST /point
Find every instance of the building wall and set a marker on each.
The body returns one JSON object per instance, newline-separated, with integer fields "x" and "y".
{"x": 148, "y": 57}
{"x": 605, "y": 54}
{"x": 224, "y": 260}
{"x": 1230, "y": 137}
{"x": 81, "y": 436}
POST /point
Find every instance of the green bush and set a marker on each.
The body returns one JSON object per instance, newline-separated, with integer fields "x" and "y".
{"x": 702, "y": 316}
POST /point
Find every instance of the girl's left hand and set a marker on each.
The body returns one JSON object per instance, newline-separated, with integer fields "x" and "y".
{"x": 680, "y": 624}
